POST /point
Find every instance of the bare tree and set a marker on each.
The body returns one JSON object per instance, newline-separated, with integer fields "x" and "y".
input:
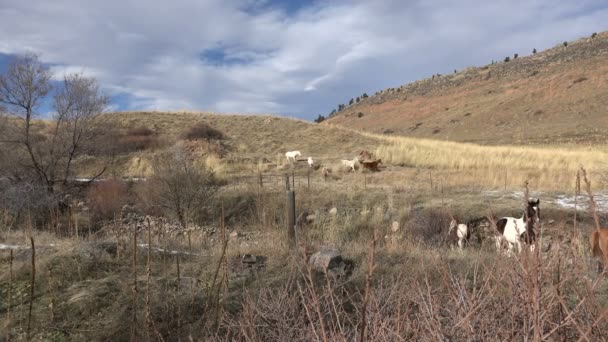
{"x": 78, "y": 103}
{"x": 53, "y": 146}
{"x": 22, "y": 89}
{"x": 182, "y": 187}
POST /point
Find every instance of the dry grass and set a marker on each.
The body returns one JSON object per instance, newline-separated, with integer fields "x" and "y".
{"x": 552, "y": 168}
{"x": 419, "y": 289}
{"x": 537, "y": 99}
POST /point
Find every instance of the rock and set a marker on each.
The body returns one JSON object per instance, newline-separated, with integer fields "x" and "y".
{"x": 333, "y": 211}
{"x": 253, "y": 260}
{"x": 329, "y": 261}
{"x": 395, "y": 226}
{"x": 234, "y": 235}
{"x": 94, "y": 250}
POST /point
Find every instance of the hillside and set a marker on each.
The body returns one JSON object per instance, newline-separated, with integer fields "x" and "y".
{"x": 247, "y": 140}
{"x": 253, "y": 136}
{"x": 559, "y": 95}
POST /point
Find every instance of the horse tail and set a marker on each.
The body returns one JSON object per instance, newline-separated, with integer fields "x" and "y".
{"x": 594, "y": 239}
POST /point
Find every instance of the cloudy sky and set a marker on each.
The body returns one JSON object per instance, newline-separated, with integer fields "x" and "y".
{"x": 289, "y": 57}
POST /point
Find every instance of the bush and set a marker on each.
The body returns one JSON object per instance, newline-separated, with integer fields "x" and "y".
{"x": 202, "y": 131}
{"x": 140, "y": 131}
{"x": 429, "y": 226}
{"x": 360, "y": 115}
{"x": 507, "y": 59}
{"x": 594, "y": 35}
{"x": 107, "y": 198}
{"x": 565, "y": 44}
{"x": 515, "y": 56}
{"x": 534, "y": 51}
{"x": 320, "y": 119}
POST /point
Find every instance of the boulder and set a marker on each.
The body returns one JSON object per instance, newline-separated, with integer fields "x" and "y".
{"x": 329, "y": 261}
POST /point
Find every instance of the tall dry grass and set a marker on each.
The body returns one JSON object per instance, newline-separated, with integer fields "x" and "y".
{"x": 552, "y": 167}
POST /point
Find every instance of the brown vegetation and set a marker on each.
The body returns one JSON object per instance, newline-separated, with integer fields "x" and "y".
{"x": 487, "y": 104}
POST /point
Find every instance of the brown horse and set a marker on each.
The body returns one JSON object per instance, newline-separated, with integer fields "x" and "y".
{"x": 599, "y": 244}
{"x": 371, "y": 165}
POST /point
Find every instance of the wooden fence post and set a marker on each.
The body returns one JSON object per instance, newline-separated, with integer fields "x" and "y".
{"x": 308, "y": 179}
{"x": 291, "y": 213}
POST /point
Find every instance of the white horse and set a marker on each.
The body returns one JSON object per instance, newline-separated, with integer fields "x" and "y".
{"x": 349, "y": 163}
{"x": 514, "y": 230}
{"x": 459, "y": 231}
{"x": 311, "y": 162}
{"x": 291, "y": 156}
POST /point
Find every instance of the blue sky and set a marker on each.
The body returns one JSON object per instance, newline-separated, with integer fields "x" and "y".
{"x": 296, "y": 58}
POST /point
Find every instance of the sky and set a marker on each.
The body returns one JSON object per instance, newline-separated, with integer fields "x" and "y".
{"x": 293, "y": 58}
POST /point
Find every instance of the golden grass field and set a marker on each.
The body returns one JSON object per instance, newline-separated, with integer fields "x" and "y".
{"x": 254, "y": 138}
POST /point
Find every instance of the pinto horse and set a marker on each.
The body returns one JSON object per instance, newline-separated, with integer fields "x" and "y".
{"x": 459, "y": 232}
{"x": 514, "y": 230}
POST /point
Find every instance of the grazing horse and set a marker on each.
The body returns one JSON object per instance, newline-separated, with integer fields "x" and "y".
{"x": 599, "y": 244}
{"x": 291, "y": 155}
{"x": 371, "y": 165}
{"x": 349, "y": 163}
{"x": 514, "y": 230}
{"x": 459, "y": 232}
{"x": 311, "y": 162}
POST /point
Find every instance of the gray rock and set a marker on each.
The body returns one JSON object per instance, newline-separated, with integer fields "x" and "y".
{"x": 329, "y": 261}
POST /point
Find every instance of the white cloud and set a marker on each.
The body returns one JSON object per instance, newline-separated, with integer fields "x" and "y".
{"x": 301, "y": 63}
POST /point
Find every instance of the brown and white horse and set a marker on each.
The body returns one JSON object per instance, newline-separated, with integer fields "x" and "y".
{"x": 459, "y": 232}
{"x": 514, "y": 230}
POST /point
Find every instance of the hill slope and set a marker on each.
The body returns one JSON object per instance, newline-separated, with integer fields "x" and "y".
{"x": 253, "y": 136}
{"x": 558, "y": 95}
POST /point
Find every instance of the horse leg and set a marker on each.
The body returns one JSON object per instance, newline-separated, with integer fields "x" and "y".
{"x": 460, "y": 244}
{"x": 517, "y": 245}
{"x": 497, "y": 242}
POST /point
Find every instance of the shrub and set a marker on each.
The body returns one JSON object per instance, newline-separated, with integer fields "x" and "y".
{"x": 134, "y": 139}
{"x": 507, "y": 59}
{"x": 360, "y": 115}
{"x": 565, "y": 44}
{"x": 515, "y": 56}
{"x": 351, "y": 102}
{"x": 202, "y": 131}
{"x": 320, "y": 119}
{"x": 140, "y": 131}
{"x": 594, "y": 35}
{"x": 428, "y": 226}
{"x": 107, "y": 198}
{"x": 534, "y": 51}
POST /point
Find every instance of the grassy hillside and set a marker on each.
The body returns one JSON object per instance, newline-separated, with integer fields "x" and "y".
{"x": 254, "y": 136}
{"x": 555, "y": 96}
{"x": 253, "y": 139}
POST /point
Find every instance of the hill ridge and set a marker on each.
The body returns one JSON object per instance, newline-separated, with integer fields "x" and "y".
{"x": 544, "y": 88}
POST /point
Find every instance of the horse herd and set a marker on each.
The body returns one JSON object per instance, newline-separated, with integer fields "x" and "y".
{"x": 513, "y": 232}
{"x": 365, "y": 158}
{"x": 509, "y": 231}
